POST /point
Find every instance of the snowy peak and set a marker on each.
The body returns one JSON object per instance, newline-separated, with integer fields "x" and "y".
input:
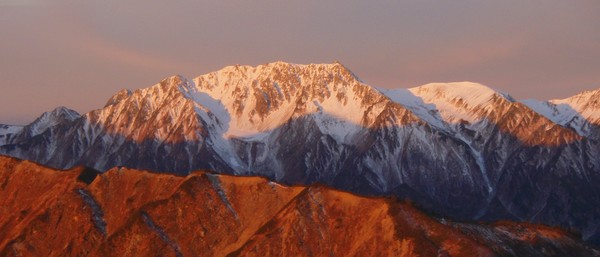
{"x": 472, "y": 93}
{"x": 158, "y": 112}
{"x": 462, "y": 148}
{"x": 118, "y": 97}
{"x": 580, "y": 112}
{"x": 461, "y": 101}
{"x": 293, "y": 76}
{"x": 265, "y": 97}
{"x": 58, "y": 116}
{"x": 62, "y": 112}
{"x": 244, "y": 101}
{"x": 560, "y": 113}
{"x": 479, "y": 107}
{"x": 152, "y": 94}
{"x": 589, "y": 98}
{"x": 587, "y": 104}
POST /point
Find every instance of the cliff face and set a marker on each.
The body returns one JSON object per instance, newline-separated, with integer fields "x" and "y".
{"x": 123, "y": 212}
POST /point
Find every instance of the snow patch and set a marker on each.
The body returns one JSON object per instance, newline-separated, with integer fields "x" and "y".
{"x": 161, "y": 233}
{"x": 97, "y": 213}
{"x": 216, "y": 183}
{"x": 7, "y": 132}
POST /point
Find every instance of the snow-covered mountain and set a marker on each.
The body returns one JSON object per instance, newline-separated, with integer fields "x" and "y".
{"x": 458, "y": 149}
{"x": 580, "y": 112}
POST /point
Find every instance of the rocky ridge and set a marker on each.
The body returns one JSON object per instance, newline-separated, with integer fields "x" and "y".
{"x": 124, "y": 212}
{"x": 462, "y": 149}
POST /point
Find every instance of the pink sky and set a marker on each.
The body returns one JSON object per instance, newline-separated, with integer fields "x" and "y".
{"x": 78, "y": 53}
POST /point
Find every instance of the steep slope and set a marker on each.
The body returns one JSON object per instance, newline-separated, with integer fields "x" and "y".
{"x": 478, "y": 107}
{"x": 123, "y": 211}
{"x": 587, "y": 104}
{"x": 346, "y": 225}
{"x": 132, "y": 129}
{"x": 127, "y": 212}
{"x": 307, "y": 123}
{"x": 459, "y": 149}
{"x": 521, "y": 153}
{"x": 48, "y": 122}
{"x": 242, "y": 120}
{"x": 32, "y": 141}
{"x": 263, "y": 98}
{"x": 580, "y": 112}
{"x": 7, "y": 132}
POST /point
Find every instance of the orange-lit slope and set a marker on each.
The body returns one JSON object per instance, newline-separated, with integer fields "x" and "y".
{"x": 326, "y": 222}
{"x": 44, "y": 212}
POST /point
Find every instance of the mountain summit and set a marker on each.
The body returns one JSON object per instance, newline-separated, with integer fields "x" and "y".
{"x": 461, "y": 149}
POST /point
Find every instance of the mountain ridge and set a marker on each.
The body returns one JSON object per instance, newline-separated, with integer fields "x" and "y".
{"x": 302, "y": 124}
{"x": 125, "y": 211}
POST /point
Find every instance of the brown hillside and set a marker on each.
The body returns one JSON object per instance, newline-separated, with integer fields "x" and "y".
{"x": 123, "y": 212}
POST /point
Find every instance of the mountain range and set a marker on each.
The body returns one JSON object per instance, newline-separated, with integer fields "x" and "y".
{"x": 459, "y": 150}
{"x": 126, "y": 212}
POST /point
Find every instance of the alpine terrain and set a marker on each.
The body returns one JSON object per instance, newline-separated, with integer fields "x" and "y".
{"x": 458, "y": 150}
{"x": 125, "y": 212}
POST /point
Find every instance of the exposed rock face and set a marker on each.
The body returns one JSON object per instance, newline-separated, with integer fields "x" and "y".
{"x": 123, "y": 212}
{"x": 459, "y": 149}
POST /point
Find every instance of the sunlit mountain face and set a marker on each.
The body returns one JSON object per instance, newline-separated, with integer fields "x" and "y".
{"x": 462, "y": 151}
{"x": 125, "y": 212}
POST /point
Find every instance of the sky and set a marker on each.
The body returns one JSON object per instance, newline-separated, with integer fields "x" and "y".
{"x": 77, "y": 53}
